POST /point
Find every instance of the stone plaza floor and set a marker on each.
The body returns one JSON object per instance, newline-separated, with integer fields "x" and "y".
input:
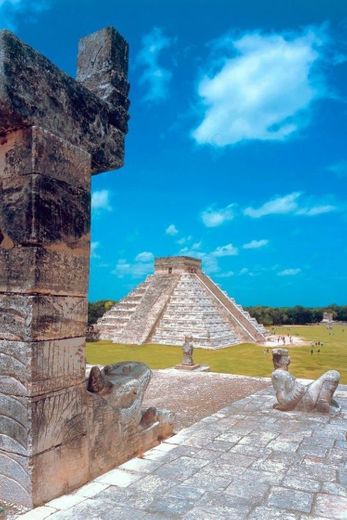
{"x": 247, "y": 461}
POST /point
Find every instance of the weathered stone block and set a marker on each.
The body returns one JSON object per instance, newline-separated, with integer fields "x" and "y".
{"x": 33, "y": 91}
{"x": 32, "y": 269}
{"x": 36, "y": 368}
{"x": 37, "y": 209}
{"x": 102, "y": 68}
{"x": 32, "y": 481}
{"x": 118, "y": 428}
{"x": 30, "y": 318}
{"x": 59, "y": 469}
{"x": 35, "y": 150}
{"x": 15, "y": 478}
{"x": 33, "y": 425}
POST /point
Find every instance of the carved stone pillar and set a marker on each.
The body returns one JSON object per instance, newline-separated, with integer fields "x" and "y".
{"x": 54, "y": 132}
{"x": 44, "y": 257}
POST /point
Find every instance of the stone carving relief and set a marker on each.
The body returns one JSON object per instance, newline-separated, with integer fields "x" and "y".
{"x": 293, "y": 395}
{"x": 123, "y": 386}
{"x": 188, "y": 348}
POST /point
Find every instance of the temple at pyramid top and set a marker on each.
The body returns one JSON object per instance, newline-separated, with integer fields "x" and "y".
{"x": 176, "y": 264}
{"x": 179, "y": 300}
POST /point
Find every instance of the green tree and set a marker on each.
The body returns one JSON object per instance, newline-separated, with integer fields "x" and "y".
{"x": 98, "y": 309}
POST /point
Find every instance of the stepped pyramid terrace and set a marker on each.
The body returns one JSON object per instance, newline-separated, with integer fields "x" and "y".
{"x": 179, "y": 300}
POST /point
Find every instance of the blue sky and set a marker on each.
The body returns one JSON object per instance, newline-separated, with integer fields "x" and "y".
{"x": 236, "y": 151}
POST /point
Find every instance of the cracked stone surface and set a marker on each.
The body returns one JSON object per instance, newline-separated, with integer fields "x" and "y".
{"x": 246, "y": 461}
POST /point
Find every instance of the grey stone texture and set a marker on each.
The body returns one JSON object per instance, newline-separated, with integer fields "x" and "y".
{"x": 179, "y": 479}
{"x": 179, "y": 300}
{"x": 291, "y": 394}
{"x": 34, "y": 92}
{"x": 54, "y": 133}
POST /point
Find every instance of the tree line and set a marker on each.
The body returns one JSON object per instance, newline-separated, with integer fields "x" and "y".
{"x": 98, "y": 309}
{"x": 297, "y": 315}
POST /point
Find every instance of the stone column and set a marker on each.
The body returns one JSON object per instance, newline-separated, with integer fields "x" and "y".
{"x": 54, "y": 133}
{"x": 44, "y": 257}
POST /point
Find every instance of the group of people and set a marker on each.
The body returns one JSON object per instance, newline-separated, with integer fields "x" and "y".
{"x": 318, "y": 345}
{"x": 284, "y": 340}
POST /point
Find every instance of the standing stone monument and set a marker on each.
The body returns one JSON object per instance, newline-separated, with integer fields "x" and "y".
{"x": 54, "y": 133}
{"x": 187, "y": 360}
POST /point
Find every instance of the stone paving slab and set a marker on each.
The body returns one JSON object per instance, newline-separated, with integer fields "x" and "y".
{"x": 246, "y": 461}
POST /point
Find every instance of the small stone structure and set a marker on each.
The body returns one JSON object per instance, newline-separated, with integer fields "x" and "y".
{"x": 176, "y": 301}
{"x": 188, "y": 348}
{"x": 187, "y": 361}
{"x": 291, "y": 394}
{"x": 55, "y": 132}
{"x": 328, "y": 317}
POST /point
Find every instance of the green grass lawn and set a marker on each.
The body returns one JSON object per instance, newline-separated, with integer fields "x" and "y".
{"x": 245, "y": 359}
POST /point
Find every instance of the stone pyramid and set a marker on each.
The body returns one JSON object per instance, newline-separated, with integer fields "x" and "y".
{"x": 179, "y": 300}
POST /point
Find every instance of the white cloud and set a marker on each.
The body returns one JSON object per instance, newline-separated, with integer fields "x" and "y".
{"x": 101, "y": 201}
{"x": 225, "y": 274}
{"x": 263, "y": 87}
{"x": 316, "y": 210}
{"x": 196, "y": 246}
{"x": 94, "y": 246}
{"x": 275, "y": 206}
{"x": 210, "y": 263}
{"x": 227, "y": 250}
{"x": 289, "y": 272}
{"x": 145, "y": 256}
{"x": 12, "y": 10}
{"x": 291, "y": 204}
{"x": 210, "y": 259}
{"x": 141, "y": 267}
{"x": 154, "y": 77}
{"x": 214, "y": 217}
{"x": 184, "y": 240}
{"x": 255, "y": 244}
{"x": 171, "y": 230}
{"x": 339, "y": 168}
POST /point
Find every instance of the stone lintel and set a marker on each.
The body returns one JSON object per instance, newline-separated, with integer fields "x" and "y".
{"x": 33, "y": 91}
{"x": 102, "y": 65}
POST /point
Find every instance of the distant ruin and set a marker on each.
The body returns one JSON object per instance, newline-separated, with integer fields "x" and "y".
{"x": 179, "y": 300}
{"x": 328, "y": 318}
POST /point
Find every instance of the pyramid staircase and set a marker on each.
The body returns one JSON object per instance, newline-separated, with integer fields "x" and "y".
{"x": 177, "y": 301}
{"x": 132, "y": 319}
{"x": 193, "y": 311}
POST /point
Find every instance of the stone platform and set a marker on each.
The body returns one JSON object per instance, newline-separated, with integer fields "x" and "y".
{"x": 246, "y": 461}
{"x": 194, "y": 368}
